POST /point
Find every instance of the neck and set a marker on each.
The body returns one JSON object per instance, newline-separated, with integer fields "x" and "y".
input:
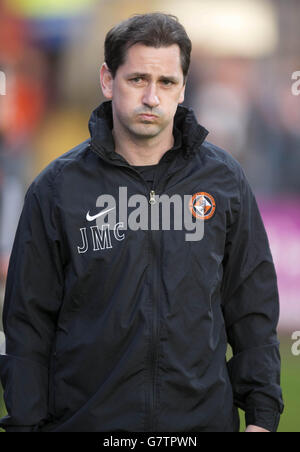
{"x": 140, "y": 152}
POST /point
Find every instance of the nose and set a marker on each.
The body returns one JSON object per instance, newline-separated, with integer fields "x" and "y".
{"x": 150, "y": 97}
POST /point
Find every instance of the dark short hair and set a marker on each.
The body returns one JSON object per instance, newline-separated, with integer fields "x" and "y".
{"x": 153, "y": 30}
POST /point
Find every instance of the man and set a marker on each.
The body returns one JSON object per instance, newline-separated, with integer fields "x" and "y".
{"x": 115, "y": 327}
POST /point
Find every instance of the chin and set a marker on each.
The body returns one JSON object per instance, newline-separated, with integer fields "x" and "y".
{"x": 147, "y": 130}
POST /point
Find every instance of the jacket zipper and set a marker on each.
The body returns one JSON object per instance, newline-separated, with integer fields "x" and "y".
{"x": 152, "y": 197}
{"x": 155, "y": 329}
{"x": 155, "y": 324}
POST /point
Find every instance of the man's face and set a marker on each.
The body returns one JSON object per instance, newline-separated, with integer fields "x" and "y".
{"x": 150, "y": 82}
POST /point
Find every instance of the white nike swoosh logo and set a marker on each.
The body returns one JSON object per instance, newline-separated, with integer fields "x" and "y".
{"x": 92, "y": 218}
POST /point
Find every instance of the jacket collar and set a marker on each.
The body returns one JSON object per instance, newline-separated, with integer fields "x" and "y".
{"x": 191, "y": 134}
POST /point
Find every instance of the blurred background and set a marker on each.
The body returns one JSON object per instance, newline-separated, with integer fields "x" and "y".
{"x": 245, "y": 53}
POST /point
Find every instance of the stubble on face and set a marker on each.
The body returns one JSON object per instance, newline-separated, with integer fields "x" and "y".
{"x": 143, "y": 128}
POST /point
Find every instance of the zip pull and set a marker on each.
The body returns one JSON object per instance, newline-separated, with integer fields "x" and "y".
{"x": 152, "y": 199}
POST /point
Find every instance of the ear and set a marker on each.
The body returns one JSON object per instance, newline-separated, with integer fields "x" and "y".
{"x": 181, "y": 97}
{"x": 106, "y": 81}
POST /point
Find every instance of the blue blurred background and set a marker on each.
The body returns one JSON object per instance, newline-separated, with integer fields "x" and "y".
{"x": 241, "y": 88}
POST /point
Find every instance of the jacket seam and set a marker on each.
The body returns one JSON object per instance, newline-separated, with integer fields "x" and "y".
{"x": 256, "y": 348}
{"x": 68, "y": 162}
{"x": 237, "y": 179}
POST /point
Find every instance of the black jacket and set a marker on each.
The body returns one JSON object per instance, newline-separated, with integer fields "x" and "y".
{"x": 117, "y": 329}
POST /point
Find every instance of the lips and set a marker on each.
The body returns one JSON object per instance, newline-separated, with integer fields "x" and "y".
{"x": 147, "y": 116}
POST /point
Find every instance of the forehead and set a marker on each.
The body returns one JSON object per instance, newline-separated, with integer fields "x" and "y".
{"x": 141, "y": 58}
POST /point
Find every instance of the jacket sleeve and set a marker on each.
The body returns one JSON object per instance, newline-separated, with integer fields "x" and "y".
{"x": 32, "y": 299}
{"x": 251, "y": 311}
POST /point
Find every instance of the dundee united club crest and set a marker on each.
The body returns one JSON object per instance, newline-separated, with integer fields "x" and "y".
{"x": 202, "y": 206}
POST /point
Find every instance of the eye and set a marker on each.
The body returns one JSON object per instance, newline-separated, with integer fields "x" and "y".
{"x": 167, "y": 82}
{"x": 136, "y": 79}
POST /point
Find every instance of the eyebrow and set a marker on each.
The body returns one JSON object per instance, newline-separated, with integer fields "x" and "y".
{"x": 163, "y": 77}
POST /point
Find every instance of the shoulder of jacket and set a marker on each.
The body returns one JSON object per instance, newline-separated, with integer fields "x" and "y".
{"x": 223, "y": 157}
{"x": 49, "y": 174}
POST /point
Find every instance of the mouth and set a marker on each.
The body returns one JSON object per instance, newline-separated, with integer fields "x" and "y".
{"x": 148, "y": 117}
